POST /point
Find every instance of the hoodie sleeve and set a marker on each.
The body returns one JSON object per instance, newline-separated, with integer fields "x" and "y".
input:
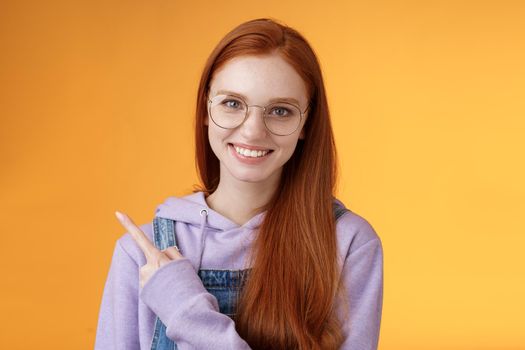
{"x": 118, "y": 321}
{"x": 189, "y": 312}
{"x": 363, "y": 277}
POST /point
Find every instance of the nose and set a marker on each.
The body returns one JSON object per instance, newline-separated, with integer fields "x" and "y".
{"x": 253, "y": 126}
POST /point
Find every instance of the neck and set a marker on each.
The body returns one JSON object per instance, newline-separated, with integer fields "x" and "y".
{"x": 239, "y": 201}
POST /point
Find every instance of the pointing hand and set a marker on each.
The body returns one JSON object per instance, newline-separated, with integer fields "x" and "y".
{"x": 155, "y": 258}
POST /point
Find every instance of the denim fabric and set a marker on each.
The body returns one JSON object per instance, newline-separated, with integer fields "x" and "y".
{"x": 225, "y": 285}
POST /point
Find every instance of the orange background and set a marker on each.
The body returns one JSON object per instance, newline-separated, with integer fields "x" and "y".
{"x": 428, "y": 105}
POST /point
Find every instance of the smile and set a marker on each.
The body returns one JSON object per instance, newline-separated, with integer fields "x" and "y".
{"x": 250, "y": 156}
{"x": 250, "y": 153}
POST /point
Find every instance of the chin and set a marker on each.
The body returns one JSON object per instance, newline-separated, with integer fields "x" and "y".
{"x": 256, "y": 175}
{"x": 252, "y": 178}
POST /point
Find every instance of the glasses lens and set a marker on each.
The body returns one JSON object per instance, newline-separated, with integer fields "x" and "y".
{"x": 227, "y": 111}
{"x": 282, "y": 118}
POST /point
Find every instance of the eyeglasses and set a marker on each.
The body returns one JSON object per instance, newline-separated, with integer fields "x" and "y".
{"x": 280, "y": 118}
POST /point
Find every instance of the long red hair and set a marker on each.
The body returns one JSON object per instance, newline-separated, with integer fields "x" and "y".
{"x": 289, "y": 299}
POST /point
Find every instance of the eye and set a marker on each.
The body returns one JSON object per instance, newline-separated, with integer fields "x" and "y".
{"x": 281, "y": 111}
{"x": 232, "y": 103}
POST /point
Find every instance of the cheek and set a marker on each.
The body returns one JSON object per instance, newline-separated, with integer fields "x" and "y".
{"x": 216, "y": 137}
{"x": 288, "y": 146}
{"x": 212, "y": 138}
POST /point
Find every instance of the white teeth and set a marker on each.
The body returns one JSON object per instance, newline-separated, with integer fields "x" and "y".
{"x": 250, "y": 153}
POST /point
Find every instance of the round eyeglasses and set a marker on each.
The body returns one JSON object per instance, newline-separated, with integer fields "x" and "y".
{"x": 280, "y": 118}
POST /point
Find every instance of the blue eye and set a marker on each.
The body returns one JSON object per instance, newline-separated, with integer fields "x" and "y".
{"x": 232, "y": 104}
{"x": 280, "y": 111}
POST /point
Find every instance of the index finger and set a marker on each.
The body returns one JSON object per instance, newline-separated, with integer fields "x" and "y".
{"x": 140, "y": 237}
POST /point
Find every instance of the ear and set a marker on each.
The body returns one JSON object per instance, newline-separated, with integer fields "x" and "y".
{"x": 207, "y": 117}
{"x": 301, "y": 134}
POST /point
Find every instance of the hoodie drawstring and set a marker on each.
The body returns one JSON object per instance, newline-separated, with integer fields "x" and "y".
{"x": 204, "y": 217}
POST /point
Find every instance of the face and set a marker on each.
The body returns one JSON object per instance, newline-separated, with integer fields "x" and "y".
{"x": 258, "y": 79}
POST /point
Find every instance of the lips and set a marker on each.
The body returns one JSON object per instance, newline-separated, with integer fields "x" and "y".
{"x": 249, "y": 156}
{"x": 249, "y": 147}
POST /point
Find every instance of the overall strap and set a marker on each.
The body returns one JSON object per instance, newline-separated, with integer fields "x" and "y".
{"x": 339, "y": 209}
{"x": 164, "y": 233}
{"x": 163, "y": 237}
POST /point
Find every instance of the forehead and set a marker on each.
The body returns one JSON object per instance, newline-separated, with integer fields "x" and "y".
{"x": 260, "y": 79}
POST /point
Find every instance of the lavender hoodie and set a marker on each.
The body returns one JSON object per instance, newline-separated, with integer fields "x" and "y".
{"x": 176, "y": 294}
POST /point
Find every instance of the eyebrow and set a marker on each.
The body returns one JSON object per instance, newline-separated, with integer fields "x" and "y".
{"x": 277, "y": 99}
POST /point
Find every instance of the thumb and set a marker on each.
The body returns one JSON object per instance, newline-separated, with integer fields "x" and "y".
{"x": 173, "y": 253}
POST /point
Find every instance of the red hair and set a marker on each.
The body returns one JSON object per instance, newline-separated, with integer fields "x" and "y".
{"x": 289, "y": 299}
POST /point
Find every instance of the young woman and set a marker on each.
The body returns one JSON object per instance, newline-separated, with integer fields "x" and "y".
{"x": 262, "y": 256}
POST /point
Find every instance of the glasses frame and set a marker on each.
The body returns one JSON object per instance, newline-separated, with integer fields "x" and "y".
{"x": 301, "y": 114}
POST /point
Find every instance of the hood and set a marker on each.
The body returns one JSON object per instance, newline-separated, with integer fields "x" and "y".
{"x": 194, "y": 211}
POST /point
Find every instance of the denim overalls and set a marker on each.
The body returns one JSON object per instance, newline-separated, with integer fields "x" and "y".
{"x": 225, "y": 285}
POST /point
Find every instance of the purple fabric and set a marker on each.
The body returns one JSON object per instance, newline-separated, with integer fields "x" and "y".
{"x": 176, "y": 294}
